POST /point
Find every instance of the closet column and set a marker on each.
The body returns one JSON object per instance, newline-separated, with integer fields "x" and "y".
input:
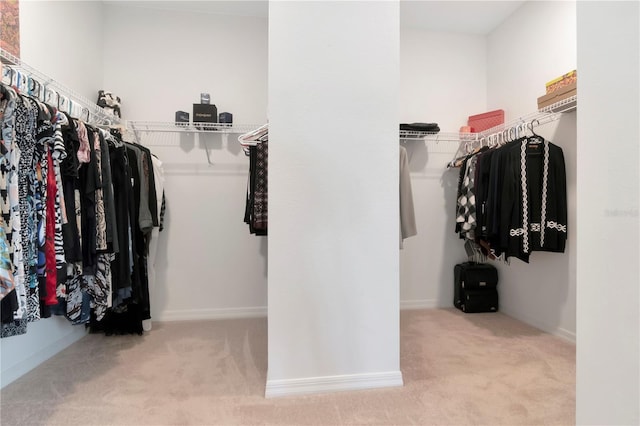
{"x": 333, "y": 295}
{"x": 608, "y": 294}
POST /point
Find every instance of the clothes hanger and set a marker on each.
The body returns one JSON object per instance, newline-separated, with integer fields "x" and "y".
{"x": 253, "y": 137}
{"x": 496, "y": 140}
{"x": 7, "y": 75}
{"x": 505, "y": 137}
{"x": 51, "y": 96}
{"x": 22, "y": 82}
{"x": 85, "y": 110}
{"x": 536, "y": 138}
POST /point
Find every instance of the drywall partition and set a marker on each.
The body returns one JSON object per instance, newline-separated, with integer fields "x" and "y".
{"x": 520, "y": 60}
{"x": 73, "y": 56}
{"x": 333, "y": 294}
{"x": 208, "y": 264}
{"x": 443, "y": 80}
{"x": 608, "y": 370}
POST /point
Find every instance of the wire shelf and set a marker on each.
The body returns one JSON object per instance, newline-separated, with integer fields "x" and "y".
{"x": 515, "y": 128}
{"x": 436, "y": 137}
{"x": 97, "y": 115}
{"x": 566, "y": 105}
{"x": 544, "y": 115}
{"x": 147, "y": 128}
{"x": 172, "y": 127}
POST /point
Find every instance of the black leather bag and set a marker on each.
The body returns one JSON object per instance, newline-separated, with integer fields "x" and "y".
{"x": 475, "y": 287}
{"x": 480, "y": 301}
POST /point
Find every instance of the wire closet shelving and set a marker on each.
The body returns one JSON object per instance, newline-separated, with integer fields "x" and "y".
{"x": 466, "y": 141}
{"x": 171, "y": 127}
{"x": 514, "y": 128}
{"x": 91, "y": 112}
{"x": 138, "y": 128}
{"x": 543, "y": 116}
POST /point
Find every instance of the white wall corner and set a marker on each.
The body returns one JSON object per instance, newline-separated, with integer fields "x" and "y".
{"x": 349, "y": 382}
{"x": 14, "y": 371}
{"x": 555, "y": 330}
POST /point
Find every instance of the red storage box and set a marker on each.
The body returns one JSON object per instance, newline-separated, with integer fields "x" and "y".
{"x": 482, "y": 122}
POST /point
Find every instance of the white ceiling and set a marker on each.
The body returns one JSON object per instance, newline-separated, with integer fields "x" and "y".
{"x": 258, "y": 8}
{"x": 475, "y": 17}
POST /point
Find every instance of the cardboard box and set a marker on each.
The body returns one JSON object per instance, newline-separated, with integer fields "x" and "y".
{"x": 205, "y": 113}
{"x": 182, "y": 117}
{"x": 487, "y": 120}
{"x": 560, "y": 94}
{"x": 564, "y": 80}
{"x": 225, "y": 117}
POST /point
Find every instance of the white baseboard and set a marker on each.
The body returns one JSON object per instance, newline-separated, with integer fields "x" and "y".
{"x": 215, "y": 313}
{"x": 563, "y": 333}
{"x": 324, "y": 384}
{"x": 419, "y": 304}
{"x": 258, "y": 312}
{"x": 22, "y": 367}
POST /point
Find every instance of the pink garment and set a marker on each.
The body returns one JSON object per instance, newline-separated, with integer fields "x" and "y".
{"x": 84, "y": 152}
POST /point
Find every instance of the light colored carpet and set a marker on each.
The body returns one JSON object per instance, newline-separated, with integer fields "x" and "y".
{"x": 458, "y": 370}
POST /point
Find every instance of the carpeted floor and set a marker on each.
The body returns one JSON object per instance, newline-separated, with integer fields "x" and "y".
{"x": 481, "y": 369}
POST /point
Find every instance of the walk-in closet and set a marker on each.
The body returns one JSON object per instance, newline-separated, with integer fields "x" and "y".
{"x": 277, "y": 289}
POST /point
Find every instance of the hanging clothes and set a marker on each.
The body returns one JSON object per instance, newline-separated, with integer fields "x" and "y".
{"x": 6, "y": 268}
{"x": 408, "y": 226}
{"x": 78, "y": 207}
{"x": 518, "y": 195}
{"x": 14, "y": 306}
{"x": 158, "y": 173}
{"x": 256, "y": 211}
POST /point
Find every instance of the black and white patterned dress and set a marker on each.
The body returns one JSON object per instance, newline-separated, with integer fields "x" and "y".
{"x": 12, "y": 215}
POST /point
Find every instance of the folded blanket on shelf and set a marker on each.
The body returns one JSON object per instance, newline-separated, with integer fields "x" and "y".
{"x": 420, "y": 127}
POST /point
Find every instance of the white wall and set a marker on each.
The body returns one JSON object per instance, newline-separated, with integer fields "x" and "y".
{"x": 333, "y": 196}
{"x": 63, "y": 39}
{"x": 442, "y": 79}
{"x": 159, "y": 61}
{"x": 608, "y": 370}
{"x": 72, "y": 55}
{"x": 521, "y": 58}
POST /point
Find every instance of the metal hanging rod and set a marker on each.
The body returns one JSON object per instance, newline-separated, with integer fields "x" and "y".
{"x": 96, "y": 115}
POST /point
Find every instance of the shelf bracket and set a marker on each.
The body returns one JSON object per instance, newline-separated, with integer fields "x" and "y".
{"x": 206, "y": 149}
